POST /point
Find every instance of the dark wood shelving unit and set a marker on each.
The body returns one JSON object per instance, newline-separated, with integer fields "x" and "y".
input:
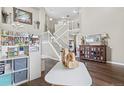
{"x": 93, "y": 52}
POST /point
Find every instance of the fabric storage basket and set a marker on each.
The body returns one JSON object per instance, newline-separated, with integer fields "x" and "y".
{"x": 2, "y": 68}
{"x": 5, "y": 80}
{"x": 20, "y": 76}
{"x": 20, "y": 63}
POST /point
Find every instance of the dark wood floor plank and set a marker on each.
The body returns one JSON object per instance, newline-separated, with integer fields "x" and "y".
{"x": 103, "y": 74}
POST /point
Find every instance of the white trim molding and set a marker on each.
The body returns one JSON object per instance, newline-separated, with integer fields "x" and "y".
{"x": 113, "y": 62}
{"x": 54, "y": 50}
{"x": 50, "y": 57}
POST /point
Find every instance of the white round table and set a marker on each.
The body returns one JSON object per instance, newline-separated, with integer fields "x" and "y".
{"x": 60, "y": 75}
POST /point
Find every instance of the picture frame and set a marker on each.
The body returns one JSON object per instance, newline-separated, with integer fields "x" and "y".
{"x": 93, "y": 38}
{"x": 22, "y": 16}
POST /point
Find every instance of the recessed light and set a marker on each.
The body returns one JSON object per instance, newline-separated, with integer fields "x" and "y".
{"x": 75, "y": 12}
{"x": 50, "y": 19}
{"x": 63, "y": 17}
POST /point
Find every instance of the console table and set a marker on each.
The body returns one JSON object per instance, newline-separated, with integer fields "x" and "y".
{"x": 93, "y": 52}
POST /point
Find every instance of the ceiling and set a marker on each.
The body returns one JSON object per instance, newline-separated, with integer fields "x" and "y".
{"x": 62, "y": 12}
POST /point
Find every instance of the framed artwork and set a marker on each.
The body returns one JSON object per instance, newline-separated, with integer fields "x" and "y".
{"x": 22, "y": 16}
{"x": 93, "y": 38}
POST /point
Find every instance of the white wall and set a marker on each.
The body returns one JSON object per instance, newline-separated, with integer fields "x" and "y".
{"x": 0, "y": 16}
{"x": 42, "y": 19}
{"x": 50, "y": 24}
{"x": 110, "y": 20}
{"x": 48, "y": 51}
{"x": 37, "y": 15}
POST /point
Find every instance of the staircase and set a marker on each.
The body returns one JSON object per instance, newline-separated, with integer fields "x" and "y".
{"x": 48, "y": 38}
{"x": 62, "y": 35}
{"x": 58, "y": 40}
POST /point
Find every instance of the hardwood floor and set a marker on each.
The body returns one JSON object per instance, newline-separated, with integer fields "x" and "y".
{"x": 102, "y": 74}
{"x": 106, "y": 74}
{"x": 49, "y": 63}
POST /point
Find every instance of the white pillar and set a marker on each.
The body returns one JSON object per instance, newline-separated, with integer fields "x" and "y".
{"x": 43, "y": 65}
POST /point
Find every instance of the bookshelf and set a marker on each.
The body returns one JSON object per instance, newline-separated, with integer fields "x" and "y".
{"x": 14, "y": 58}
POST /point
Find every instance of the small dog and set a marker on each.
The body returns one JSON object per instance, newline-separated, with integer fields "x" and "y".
{"x": 68, "y": 59}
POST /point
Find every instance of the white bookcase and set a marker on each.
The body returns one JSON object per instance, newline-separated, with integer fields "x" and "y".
{"x": 12, "y": 76}
{"x": 20, "y": 61}
{"x": 14, "y": 58}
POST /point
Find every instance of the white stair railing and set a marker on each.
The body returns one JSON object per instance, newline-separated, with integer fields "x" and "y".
{"x": 59, "y": 35}
{"x": 53, "y": 39}
{"x": 48, "y": 37}
{"x": 63, "y": 40}
{"x": 62, "y": 30}
{"x": 64, "y": 45}
{"x": 58, "y": 27}
{"x": 60, "y": 39}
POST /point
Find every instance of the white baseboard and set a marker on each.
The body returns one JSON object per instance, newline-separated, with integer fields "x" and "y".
{"x": 112, "y": 62}
{"x": 54, "y": 58}
{"x": 44, "y": 56}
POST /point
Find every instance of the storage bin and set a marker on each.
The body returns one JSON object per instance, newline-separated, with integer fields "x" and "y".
{"x": 2, "y": 68}
{"x": 20, "y": 76}
{"x": 6, "y": 80}
{"x": 20, "y": 64}
{"x": 2, "y": 72}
